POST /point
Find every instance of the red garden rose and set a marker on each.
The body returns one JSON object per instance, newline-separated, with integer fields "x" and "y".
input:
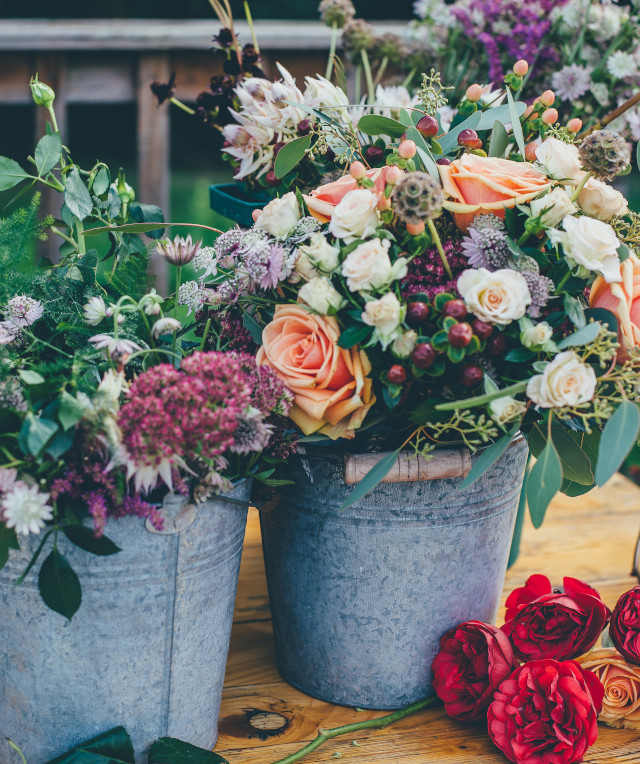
{"x": 473, "y": 659}
{"x": 543, "y": 623}
{"x": 546, "y": 712}
{"x": 624, "y": 629}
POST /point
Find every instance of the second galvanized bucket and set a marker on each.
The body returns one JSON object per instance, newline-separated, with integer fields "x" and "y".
{"x": 361, "y": 598}
{"x": 147, "y": 649}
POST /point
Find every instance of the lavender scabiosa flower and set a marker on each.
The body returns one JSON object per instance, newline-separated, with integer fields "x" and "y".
{"x": 486, "y": 245}
{"x": 22, "y": 310}
{"x": 252, "y": 433}
{"x": 180, "y": 251}
{"x": 571, "y": 82}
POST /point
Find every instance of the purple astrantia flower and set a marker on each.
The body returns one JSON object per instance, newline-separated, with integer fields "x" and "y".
{"x": 541, "y": 289}
{"x": 486, "y": 246}
{"x": 571, "y": 82}
{"x": 23, "y": 311}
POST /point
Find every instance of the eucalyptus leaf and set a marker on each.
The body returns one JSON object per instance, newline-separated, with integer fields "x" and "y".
{"x": 11, "y": 173}
{"x": 60, "y": 444}
{"x": 575, "y": 311}
{"x": 169, "y": 750}
{"x": 488, "y": 456}
{"x": 499, "y": 140}
{"x": 545, "y": 480}
{"x": 374, "y": 124}
{"x": 603, "y": 316}
{"x": 48, "y": 153}
{"x": 618, "y": 438}
{"x": 450, "y": 140}
{"x": 70, "y": 410}
{"x": 576, "y": 464}
{"x": 86, "y": 539}
{"x": 290, "y": 155}
{"x": 583, "y": 336}
{"x": 59, "y": 585}
{"x": 375, "y": 475}
{"x": 77, "y": 196}
{"x": 515, "y": 122}
{"x": 499, "y": 113}
{"x": 39, "y": 432}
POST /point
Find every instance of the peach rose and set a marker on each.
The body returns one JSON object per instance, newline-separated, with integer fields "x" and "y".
{"x": 621, "y": 682}
{"x": 622, "y": 299}
{"x": 332, "y": 389}
{"x": 324, "y": 198}
{"x": 481, "y": 185}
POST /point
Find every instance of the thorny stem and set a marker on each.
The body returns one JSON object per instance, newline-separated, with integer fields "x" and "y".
{"x": 438, "y": 243}
{"x": 332, "y": 51}
{"x": 367, "y": 73}
{"x": 381, "y": 723}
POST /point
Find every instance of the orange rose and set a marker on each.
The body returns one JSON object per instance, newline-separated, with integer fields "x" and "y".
{"x": 623, "y": 300}
{"x": 621, "y": 682}
{"x": 324, "y": 198}
{"x": 481, "y": 185}
{"x": 332, "y": 389}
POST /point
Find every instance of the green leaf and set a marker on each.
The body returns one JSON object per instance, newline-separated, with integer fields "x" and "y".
{"x": 373, "y": 124}
{"x": 101, "y": 181}
{"x": 499, "y": 140}
{"x": 59, "y": 585}
{"x": 375, "y": 475}
{"x": 575, "y": 311}
{"x": 11, "y": 173}
{"x": 60, "y": 444}
{"x": 253, "y": 327}
{"x": 501, "y": 114}
{"x": 70, "y": 410}
{"x": 290, "y": 155}
{"x": 85, "y": 538}
{"x": 450, "y": 140}
{"x": 39, "y": 432}
{"x": 576, "y": 464}
{"x": 518, "y": 355}
{"x": 31, "y": 377}
{"x": 424, "y": 152}
{"x": 144, "y": 228}
{"x": 77, "y": 196}
{"x": 544, "y": 482}
{"x": 8, "y": 540}
{"x": 583, "y": 336}
{"x": 112, "y": 747}
{"x": 603, "y": 316}
{"x": 354, "y": 335}
{"x": 618, "y": 437}
{"x": 488, "y": 457}
{"x": 148, "y": 213}
{"x": 168, "y": 750}
{"x": 515, "y": 123}
{"x": 48, "y": 153}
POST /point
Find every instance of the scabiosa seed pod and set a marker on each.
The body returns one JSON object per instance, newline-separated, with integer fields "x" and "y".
{"x": 357, "y": 35}
{"x": 390, "y": 46}
{"x": 336, "y": 12}
{"x": 417, "y": 197}
{"x": 605, "y": 154}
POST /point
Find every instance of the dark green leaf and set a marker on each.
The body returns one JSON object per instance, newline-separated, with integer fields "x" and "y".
{"x": 518, "y": 355}
{"x": 70, "y": 410}
{"x": 375, "y": 475}
{"x": 576, "y": 464}
{"x": 515, "y": 122}
{"x": 583, "y": 336}
{"x": 618, "y": 437}
{"x": 112, "y": 747}
{"x": 101, "y": 181}
{"x": 59, "y": 585}
{"x": 85, "y": 538}
{"x": 10, "y": 173}
{"x": 499, "y": 140}
{"x": 544, "y": 482}
{"x": 603, "y": 316}
{"x": 253, "y": 327}
{"x": 8, "y": 540}
{"x": 40, "y": 431}
{"x": 60, "y": 444}
{"x": 290, "y": 155}
{"x": 575, "y": 311}
{"x": 354, "y": 335}
{"x": 488, "y": 456}
{"x": 168, "y": 750}
{"x": 48, "y": 153}
{"x": 148, "y": 213}
{"x": 373, "y": 124}
{"x": 77, "y": 196}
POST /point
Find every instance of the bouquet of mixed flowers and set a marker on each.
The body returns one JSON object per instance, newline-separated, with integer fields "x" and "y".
{"x": 108, "y": 398}
{"x": 454, "y": 295}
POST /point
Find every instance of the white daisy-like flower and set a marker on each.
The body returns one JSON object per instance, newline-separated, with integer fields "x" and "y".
{"x": 115, "y": 346}
{"x": 23, "y": 311}
{"x": 571, "y": 82}
{"x": 165, "y": 326}
{"x": 25, "y": 508}
{"x": 621, "y": 65}
{"x": 95, "y": 311}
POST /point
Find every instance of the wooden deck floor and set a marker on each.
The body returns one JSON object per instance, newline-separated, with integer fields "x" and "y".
{"x": 591, "y": 537}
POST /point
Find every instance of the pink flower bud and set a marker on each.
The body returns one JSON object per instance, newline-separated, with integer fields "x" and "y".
{"x": 415, "y": 229}
{"x": 520, "y": 67}
{"x": 548, "y": 97}
{"x": 474, "y": 93}
{"x": 393, "y": 175}
{"x": 357, "y": 170}
{"x": 528, "y": 111}
{"x": 549, "y": 116}
{"x": 574, "y": 125}
{"x": 407, "y": 149}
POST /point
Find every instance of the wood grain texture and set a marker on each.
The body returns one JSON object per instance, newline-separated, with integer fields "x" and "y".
{"x": 451, "y": 463}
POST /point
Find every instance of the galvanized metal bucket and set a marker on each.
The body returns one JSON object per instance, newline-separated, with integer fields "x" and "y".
{"x": 361, "y": 598}
{"x": 147, "y": 648}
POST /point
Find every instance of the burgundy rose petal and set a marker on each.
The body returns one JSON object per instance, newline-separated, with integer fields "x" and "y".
{"x": 535, "y": 587}
{"x": 624, "y": 628}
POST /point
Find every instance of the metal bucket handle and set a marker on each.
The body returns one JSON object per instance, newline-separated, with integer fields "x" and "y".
{"x": 450, "y": 463}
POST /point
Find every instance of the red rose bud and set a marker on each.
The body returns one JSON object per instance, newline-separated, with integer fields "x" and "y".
{"x": 304, "y": 127}
{"x": 271, "y": 179}
{"x": 468, "y": 138}
{"x": 423, "y": 355}
{"x": 427, "y": 126}
{"x": 454, "y": 308}
{"x": 542, "y": 623}
{"x": 397, "y": 374}
{"x": 460, "y": 335}
{"x": 474, "y": 659}
{"x": 624, "y": 629}
{"x": 546, "y": 711}
{"x": 482, "y": 329}
{"x": 471, "y": 375}
{"x": 417, "y": 313}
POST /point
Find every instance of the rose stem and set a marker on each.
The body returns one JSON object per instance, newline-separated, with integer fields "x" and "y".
{"x": 581, "y": 185}
{"x": 438, "y": 243}
{"x": 381, "y": 723}
{"x": 332, "y": 50}
{"x": 614, "y": 114}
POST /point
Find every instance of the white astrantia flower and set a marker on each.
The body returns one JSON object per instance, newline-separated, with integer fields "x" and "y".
{"x": 8, "y": 333}
{"x": 602, "y": 201}
{"x": 621, "y": 65}
{"x": 115, "y": 346}
{"x": 25, "y": 508}
{"x": 552, "y": 207}
{"x": 95, "y": 311}
{"x": 206, "y": 261}
{"x": 497, "y": 297}
{"x": 355, "y": 216}
{"x": 280, "y": 216}
{"x": 385, "y": 315}
{"x": 320, "y": 295}
{"x": 566, "y": 381}
{"x": 368, "y": 267}
{"x": 150, "y": 303}
{"x": 166, "y": 325}
{"x": 192, "y": 295}
{"x": 560, "y": 160}
{"x": 22, "y": 310}
{"x": 589, "y": 244}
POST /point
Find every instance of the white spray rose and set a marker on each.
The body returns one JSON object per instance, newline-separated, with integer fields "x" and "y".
{"x": 560, "y": 160}
{"x": 280, "y": 216}
{"x": 385, "y": 316}
{"x": 356, "y": 216}
{"x": 536, "y": 336}
{"x": 497, "y": 298}
{"x": 591, "y": 244}
{"x": 303, "y": 269}
{"x": 505, "y": 409}
{"x": 552, "y": 207}
{"x": 602, "y": 201}
{"x": 321, "y": 254}
{"x": 403, "y": 345}
{"x": 566, "y": 381}
{"x": 321, "y": 296}
{"x": 369, "y": 267}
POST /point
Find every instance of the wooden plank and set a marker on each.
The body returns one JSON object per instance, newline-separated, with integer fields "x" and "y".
{"x": 109, "y": 80}
{"x": 15, "y": 72}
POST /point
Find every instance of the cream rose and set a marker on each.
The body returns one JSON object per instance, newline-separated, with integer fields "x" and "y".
{"x": 591, "y": 244}
{"x": 385, "y": 316}
{"x": 560, "y": 160}
{"x": 369, "y": 266}
{"x": 552, "y": 207}
{"x": 497, "y": 298}
{"x": 602, "y": 201}
{"x": 320, "y": 295}
{"x": 621, "y": 682}
{"x": 566, "y": 381}
{"x": 505, "y": 409}
{"x": 403, "y": 345}
{"x": 356, "y": 216}
{"x": 303, "y": 269}
{"x": 280, "y": 216}
{"x": 537, "y": 335}
{"x": 321, "y": 254}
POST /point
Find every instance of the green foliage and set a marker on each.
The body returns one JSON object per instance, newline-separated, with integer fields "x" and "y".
{"x": 17, "y": 235}
{"x": 169, "y": 750}
{"x": 112, "y": 747}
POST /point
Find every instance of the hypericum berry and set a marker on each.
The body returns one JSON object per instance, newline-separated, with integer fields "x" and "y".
{"x": 423, "y": 355}
{"x": 393, "y": 175}
{"x": 383, "y": 203}
{"x": 428, "y": 126}
{"x": 407, "y": 149}
{"x": 304, "y": 127}
{"x": 549, "y": 116}
{"x": 460, "y": 335}
{"x": 548, "y": 97}
{"x": 455, "y": 308}
{"x": 417, "y": 313}
{"x": 415, "y": 229}
{"x": 443, "y": 160}
{"x": 276, "y": 148}
{"x": 528, "y": 111}
{"x": 468, "y": 138}
{"x": 530, "y": 151}
{"x": 397, "y": 374}
{"x": 271, "y": 179}
{"x": 471, "y": 375}
{"x": 374, "y": 154}
{"x": 496, "y": 345}
{"x": 521, "y": 67}
{"x": 474, "y": 93}
{"x": 482, "y": 329}
{"x": 574, "y": 125}
{"x": 357, "y": 170}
